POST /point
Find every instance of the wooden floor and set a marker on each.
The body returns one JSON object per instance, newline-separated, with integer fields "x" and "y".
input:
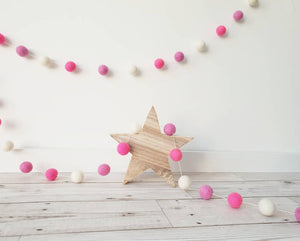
{"x": 32, "y": 209}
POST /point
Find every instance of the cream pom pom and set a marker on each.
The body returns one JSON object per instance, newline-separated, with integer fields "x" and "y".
{"x": 184, "y": 182}
{"x": 44, "y": 60}
{"x": 253, "y": 3}
{"x": 266, "y": 207}
{"x": 201, "y": 46}
{"x": 134, "y": 70}
{"x": 8, "y": 146}
{"x": 136, "y": 128}
{"x": 77, "y": 176}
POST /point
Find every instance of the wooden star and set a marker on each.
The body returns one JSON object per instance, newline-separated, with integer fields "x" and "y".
{"x": 150, "y": 149}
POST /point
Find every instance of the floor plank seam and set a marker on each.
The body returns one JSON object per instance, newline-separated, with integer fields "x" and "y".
{"x": 164, "y": 213}
{"x": 141, "y": 200}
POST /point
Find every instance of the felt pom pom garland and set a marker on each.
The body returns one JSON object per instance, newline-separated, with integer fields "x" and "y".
{"x": 159, "y": 63}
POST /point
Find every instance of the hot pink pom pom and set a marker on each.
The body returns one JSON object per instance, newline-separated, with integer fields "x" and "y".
{"x": 0, "y": 122}
{"x": 238, "y": 15}
{"x": 234, "y": 200}
{"x": 104, "y": 169}
{"x": 297, "y": 214}
{"x": 70, "y": 66}
{"x": 22, "y": 51}
{"x": 26, "y": 167}
{"x": 169, "y": 129}
{"x": 221, "y": 30}
{"x": 123, "y": 148}
{"x": 103, "y": 69}
{"x": 159, "y": 63}
{"x": 206, "y": 192}
{"x": 176, "y": 155}
{"x": 2, "y": 39}
{"x": 179, "y": 56}
{"x": 51, "y": 174}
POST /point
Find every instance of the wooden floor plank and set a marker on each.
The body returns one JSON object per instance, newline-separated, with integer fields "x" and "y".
{"x": 251, "y": 188}
{"x": 232, "y": 233}
{"x": 13, "y": 211}
{"x": 10, "y": 238}
{"x": 269, "y": 176}
{"x": 47, "y": 218}
{"x": 14, "y": 193}
{"x": 188, "y": 213}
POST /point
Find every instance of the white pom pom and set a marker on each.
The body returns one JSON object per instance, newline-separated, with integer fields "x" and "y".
{"x": 184, "y": 182}
{"x": 136, "y": 128}
{"x": 266, "y": 207}
{"x": 8, "y": 146}
{"x": 201, "y": 46}
{"x": 44, "y": 60}
{"x": 253, "y": 3}
{"x": 134, "y": 70}
{"x": 77, "y": 176}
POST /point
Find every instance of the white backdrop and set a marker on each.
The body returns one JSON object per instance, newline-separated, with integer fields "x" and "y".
{"x": 240, "y": 100}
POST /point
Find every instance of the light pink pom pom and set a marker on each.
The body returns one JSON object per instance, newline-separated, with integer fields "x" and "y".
{"x": 159, "y": 63}
{"x": 234, "y": 200}
{"x": 179, "y": 56}
{"x": 221, "y": 30}
{"x": 2, "y": 39}
{"x": 22, "y": 51}
{"x": 51, "y": 174}
{"x": 104, "y": 169}
{"x": 238, "y": 15}
{"x": 123, "y": 148}
{"x": 70, "y": 66}
{"x": 206, "y": 192}
{"x": 103, "y": 69}
{"x": 169, "y": 129}
{"x": 176, "y": 155}
{"x": 26, "y": 167}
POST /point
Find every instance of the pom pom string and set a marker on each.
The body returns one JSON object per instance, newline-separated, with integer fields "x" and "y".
{"x": 248, "y": 203}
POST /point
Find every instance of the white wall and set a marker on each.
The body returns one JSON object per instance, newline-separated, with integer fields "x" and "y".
{"x": 240, "y": 100}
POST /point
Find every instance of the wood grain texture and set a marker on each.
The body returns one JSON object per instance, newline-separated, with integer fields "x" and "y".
{"x": 150, "y": 149}
{"x": 145, "y": 210}
{"x": 47, "y": 218}
{"x": 188, "y": 213}
{"x": 253, "y": 232}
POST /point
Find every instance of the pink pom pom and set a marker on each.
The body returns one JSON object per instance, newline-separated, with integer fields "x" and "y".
{"x": 159, "y": 63}
{"x": 234, "y": 200}
{"x": 206, "y": 192}
{"x": 179, "y": 56}
{"x": 238, "y": 15}
{"x": 123, "y": 148}
{"x": 221, "y": 30}
{"x": 0, "y": 122}
{"x": 104, "y": 169}
{"x": 103, "y": 69}
{"x": 2, "y": 39}
{"x": 51, "y": 174}
{"x": 169, "y": 129}
{"x": 26, "y": 167}
{"x": 176, "y": 155}
{"x": 297, "y": 214}
{"x": 70, "y": 66}
{"x": 22, "y": 51}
